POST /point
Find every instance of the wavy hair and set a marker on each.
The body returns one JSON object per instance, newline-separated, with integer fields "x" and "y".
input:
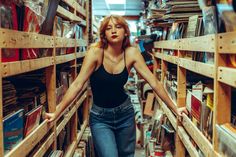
{"x": 102, "y": 43}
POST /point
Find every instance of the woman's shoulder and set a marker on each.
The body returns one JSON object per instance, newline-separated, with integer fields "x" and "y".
{"x": 95, "y": 51}
{"x": 131, "y": 50}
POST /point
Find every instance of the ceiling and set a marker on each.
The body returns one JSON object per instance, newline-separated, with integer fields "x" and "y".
{"x": 129, "y": 8}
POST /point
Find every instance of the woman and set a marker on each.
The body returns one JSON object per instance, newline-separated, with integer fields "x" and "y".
{"x": 107, "y": 64}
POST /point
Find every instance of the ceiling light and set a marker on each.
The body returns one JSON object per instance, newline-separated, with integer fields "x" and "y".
{"x": 117, "y": 12}
{"x": 115, "y": 1}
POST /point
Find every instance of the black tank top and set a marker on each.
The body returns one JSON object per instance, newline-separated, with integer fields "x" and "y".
{"x": 108, "y": 89}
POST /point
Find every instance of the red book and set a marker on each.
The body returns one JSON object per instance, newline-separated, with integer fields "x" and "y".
{"x": 32, "y": 120}
{"x": 196, "y": 107}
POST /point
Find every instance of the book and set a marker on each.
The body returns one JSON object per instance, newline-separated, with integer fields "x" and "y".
{"x": 13, "y": 125}
{"x": 32, "y": 120}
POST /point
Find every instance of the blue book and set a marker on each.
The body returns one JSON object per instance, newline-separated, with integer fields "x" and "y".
{"x": 13, "y": 126}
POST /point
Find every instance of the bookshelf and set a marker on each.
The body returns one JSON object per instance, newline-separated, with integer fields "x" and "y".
{"x": 223, "y": 77}
{"x": 44, "y": 137}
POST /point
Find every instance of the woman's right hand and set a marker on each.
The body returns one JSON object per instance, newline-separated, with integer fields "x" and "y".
{"x": 50, "y": 116}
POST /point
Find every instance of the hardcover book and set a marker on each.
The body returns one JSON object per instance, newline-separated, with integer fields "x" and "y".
{"x": 32, "y": 120}
{"x": 13, "y": 125}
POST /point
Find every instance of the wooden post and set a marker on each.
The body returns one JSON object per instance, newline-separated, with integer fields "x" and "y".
{"x": 181, "y": 101}
{"x": 222, "y": 99}
{"x": 1, "y": 109}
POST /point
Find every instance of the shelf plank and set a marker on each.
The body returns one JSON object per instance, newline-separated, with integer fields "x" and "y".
{"x": 168, "y": 112}
{"x": 68, "y": 15}
{"x": 64, "y": 42}
{"x": 167, "y": 44}
{"x": 80, "y": 54}
{"x": 24, "y": 147}
{"x": 68, "y": 116}
{"x": 228, "y": 38}
{"x": 81, "y": 42}
{"x": 227, "y": 76}
{"x": 198, "y": 67}
{"x": 201, "y": 44}
{"x": 158, "y": 55}
{"x": 168, "y": 58}
{"x": 65, "y": 58}
{"x": 45, "y": 146}
{"x": 19, "y": 39}
{"x": 19, "y": 67}
{"x": 197, "y": 136}
{"x": 70, "y": 151}
{"x": 187, "y": 143}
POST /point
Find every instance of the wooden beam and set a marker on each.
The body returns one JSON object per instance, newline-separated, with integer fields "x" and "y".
{"x": 19, "y": 67}
{"x": 198, "y": 67}
{"x": 1, "y": 110}
{"x": 45, "y": 146}
{"x": 226, "y": 43}
{"x": 187, "y": 143}
{"x": 167, "y": 44}
{"x": 198, "y": 137}
{"x": 18, "y": 39}
{"x": 227, "y": 76}
{"x": 65, "y": 58}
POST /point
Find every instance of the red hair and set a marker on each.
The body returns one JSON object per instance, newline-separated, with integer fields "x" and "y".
{"x": 102, "y": 43}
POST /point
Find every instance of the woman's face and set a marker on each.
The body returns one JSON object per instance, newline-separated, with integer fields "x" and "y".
{"x": 114, "y": 32}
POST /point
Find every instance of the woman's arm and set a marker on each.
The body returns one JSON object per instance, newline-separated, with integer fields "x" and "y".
{"x": 88, "y": 66}
{"x": 141, "y": 67}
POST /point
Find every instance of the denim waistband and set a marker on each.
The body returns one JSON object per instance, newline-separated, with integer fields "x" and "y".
{"x": 126, "y": 104}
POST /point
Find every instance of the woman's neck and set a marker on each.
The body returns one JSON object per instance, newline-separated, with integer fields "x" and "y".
{"x": 115, "y": 50}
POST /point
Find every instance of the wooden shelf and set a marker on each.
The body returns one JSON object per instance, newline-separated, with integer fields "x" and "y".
{"x": 68, "y": 15}
{"x": 25, "y": 146}
{"x": 70, "y": 151}
{"x": 168, "y": 58}
{"x": 80, "y": 54}
{"x": 201, "y": 44}
{"x": 81, "y": 42}
{"x": 19, "y": 67}
{"x": 65, "y": 58}
{"x": 227, "y": 76}
{"x": 64, "y": 42}
{"x": 45, "y": 146}
{"x": 168, "y": 113}
{"x": 19, "y": 39}
{"x": 68, "y": 116}
{"x": 226, "y": 43}
{"x": 75, "y": 5}
{"x": 198, "y": 137}
{"x": 167, "y": 44}
{"x": 187, "y": 143}
{"x": 198, "y": 67}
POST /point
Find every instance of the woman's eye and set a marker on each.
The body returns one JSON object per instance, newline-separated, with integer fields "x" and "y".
{"x": 118, "y": 26}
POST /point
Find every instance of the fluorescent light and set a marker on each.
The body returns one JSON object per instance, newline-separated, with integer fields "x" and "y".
{"x": 117, "y": 12}
{"x": 115, "y": 1}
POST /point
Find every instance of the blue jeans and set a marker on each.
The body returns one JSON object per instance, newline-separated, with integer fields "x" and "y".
{"x": 113, "y": 130}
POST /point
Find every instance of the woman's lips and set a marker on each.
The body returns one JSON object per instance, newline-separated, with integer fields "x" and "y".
{"x": 114, "y": 36}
